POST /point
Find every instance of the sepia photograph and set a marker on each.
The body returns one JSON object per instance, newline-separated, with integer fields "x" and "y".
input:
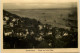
{"x": 40, "y": 25}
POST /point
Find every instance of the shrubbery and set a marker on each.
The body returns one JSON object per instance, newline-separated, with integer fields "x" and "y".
{"x": 22, "y": 32}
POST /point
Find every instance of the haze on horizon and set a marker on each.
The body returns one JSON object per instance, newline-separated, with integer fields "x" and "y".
{"x": 38, "y": 4}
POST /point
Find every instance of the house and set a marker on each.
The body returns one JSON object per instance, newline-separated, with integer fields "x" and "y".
{"x": 4, "y": 22}
{"x": 40, "y": 27}
{"x": 31, "y": 32}
{"x": 7, "y": 33}
{"x": 50, "y": 33}
{"x": 58, "y": 36}
{"x": 50, "y": 44}
{"x": 65, "y": 34}
{"x": 41, "y": 33}
{"x": 44, "y": 26}
{"x": 11, "y": 24}
{"x": 24, "y": 35}
{"x": 17, "y": 34}
{"x": 27, "y": 32}
{"x": 39, "y": 38}
{"x": 13, "y": 19}
{"x": 6, "y": 18}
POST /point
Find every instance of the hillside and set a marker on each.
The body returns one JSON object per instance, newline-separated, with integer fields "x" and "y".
{"x": 24, "y": 32}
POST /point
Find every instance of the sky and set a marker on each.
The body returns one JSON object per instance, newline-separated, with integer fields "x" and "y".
{"x": 38, "y": 4}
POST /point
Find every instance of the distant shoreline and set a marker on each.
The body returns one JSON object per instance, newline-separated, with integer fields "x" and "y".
{"x": 44, "y": 9}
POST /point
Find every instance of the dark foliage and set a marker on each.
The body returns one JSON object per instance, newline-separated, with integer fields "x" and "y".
{"x": 21, "y": 32}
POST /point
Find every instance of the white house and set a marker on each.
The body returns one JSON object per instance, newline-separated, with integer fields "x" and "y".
{"x": 7, "y": 18}
{"x": 7, "y": 33}
{"x": 24, "y": 35}
{"x": 26, "y": 30}
{"x": 31, "y": 32}
{"x": 49, "y": 33}
{"x": 41, "y": 33}
{"x": 4, "y": 22}
{"x": 11, "y": 24}
{"x": 44, "y": 26}
{"x": 20, "y": 34}
{"x": 39, "y": 38}
{"x": 65, "y": 34}
{"x": 13, "y": 19}
{"x": 17, "y": 34}
{"x": 40, "y": 27}
{"x": 50, "y": 44}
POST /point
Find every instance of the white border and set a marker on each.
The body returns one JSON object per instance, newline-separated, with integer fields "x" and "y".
{"x": 26, "y": 52}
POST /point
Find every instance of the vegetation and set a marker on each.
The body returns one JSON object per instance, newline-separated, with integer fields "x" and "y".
{"x": 22, "y": 32}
